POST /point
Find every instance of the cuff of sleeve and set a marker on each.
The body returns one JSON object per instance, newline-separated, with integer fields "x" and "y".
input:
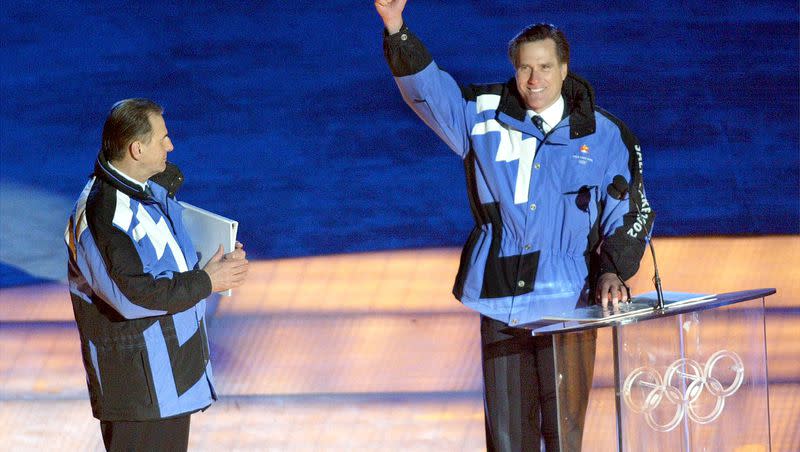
{"x": 404, "y": 52}
{"x": 403, "y": 29}
{"x": 203, "y": 282}
{"x": 194, "y": 286}
{"x": 607, "y": 264}
{"x": 621, "y": 264}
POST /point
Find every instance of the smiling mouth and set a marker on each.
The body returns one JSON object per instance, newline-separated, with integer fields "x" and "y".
{"x": 535, "y": 90}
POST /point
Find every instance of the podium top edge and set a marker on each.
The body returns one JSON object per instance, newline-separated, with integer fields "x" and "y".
{"x": 648, "y": 313}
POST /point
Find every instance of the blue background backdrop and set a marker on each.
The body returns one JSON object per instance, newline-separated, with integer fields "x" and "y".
{"x": 284, "y": 114}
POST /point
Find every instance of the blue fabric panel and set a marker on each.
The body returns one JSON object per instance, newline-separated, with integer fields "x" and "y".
{"x": 169, "y": 404}
{"x": 185, "y": 324}
{"x": 93, "y": 354}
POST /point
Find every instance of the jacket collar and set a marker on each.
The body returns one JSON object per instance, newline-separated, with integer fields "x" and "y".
{"x": 171, "y": 179}
{"x": 579, "y": 105}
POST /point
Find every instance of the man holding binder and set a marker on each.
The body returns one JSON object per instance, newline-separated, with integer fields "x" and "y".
{"x": 137, "y": 292}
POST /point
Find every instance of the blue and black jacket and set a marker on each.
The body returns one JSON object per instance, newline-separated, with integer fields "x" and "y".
{"x": 551, "y": 212}
{"x": 138, "y": 299}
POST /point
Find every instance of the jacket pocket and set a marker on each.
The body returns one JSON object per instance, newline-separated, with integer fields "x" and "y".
{"x": 125, "y": 380}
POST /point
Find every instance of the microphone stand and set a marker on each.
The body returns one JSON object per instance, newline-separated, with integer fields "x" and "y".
{"x": 656, "y": 278}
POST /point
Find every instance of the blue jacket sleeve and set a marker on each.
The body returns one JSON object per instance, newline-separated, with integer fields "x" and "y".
{"x": 432, "y": 93}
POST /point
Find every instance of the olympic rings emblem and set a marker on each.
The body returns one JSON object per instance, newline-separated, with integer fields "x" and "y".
{"x": 694, "y": 378}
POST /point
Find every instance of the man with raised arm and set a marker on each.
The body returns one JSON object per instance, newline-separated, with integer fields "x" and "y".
{"x": 555, "y": 188}
{"x": 137, "y": 292}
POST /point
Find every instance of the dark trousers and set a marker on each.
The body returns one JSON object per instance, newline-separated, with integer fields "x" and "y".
{"x": 167, "y": 435}
{"x": 520, "y": 393}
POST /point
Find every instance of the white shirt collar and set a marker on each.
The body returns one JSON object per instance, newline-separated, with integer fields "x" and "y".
{"x": 551, "y": 115}
{"x": 130, "y": 179}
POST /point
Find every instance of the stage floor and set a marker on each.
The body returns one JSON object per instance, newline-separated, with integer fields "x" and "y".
{"x": 362, "y": 352}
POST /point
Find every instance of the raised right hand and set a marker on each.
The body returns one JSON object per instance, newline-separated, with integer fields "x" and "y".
{"x": 391, "y": 11}
{"x": 225, "y": 273}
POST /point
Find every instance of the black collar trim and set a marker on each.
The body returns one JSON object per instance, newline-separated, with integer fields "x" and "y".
{"x": 171, "y": 179}
{"x": 578, "y": 102}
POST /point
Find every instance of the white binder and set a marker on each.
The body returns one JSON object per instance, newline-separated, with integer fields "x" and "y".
{"x": 208, "y": 230}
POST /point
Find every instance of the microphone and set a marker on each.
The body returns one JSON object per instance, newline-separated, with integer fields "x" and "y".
{"x": 618, "y": 189}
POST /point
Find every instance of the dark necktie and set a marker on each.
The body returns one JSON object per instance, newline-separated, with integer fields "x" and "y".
{"x": 539, "y": 123}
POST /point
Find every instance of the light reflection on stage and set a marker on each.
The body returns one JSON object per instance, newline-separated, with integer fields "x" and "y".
{"x": 363, "y": 352}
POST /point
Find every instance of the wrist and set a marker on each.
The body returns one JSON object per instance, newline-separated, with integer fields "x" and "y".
{"x": 393, "y": 26}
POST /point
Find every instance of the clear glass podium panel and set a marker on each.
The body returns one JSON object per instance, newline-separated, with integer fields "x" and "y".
{"x": 575, "y": 376}
{"x": 585, "y": 388}
{"x": 695, "y": 381}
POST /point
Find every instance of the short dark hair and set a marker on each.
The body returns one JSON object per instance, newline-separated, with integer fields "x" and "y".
{"x": 538, "y": 32}
{"x": 127, "y": 121}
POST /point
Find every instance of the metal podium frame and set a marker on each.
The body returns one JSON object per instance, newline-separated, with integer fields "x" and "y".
{"x": 670, "y": 390}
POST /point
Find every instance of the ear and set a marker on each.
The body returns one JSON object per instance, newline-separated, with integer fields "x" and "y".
{"x": 564, "y": 71}
{"x": 135, "y": 150}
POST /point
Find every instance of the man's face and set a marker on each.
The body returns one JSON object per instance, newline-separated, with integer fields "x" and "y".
{"x": 154, "y": 152}
{"x": 539, "y": 74}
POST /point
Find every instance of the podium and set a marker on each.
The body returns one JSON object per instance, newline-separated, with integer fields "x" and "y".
{"x": 690, "y": 377}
